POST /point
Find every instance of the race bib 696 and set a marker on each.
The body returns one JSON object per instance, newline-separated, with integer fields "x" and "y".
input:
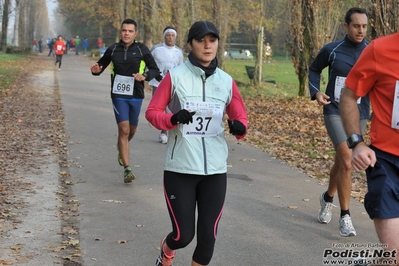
{"x": 123, "y": 85}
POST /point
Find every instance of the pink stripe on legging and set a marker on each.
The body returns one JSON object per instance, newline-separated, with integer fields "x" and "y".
{"x": 217, "y": 222}
{"x": 173, "y": 214}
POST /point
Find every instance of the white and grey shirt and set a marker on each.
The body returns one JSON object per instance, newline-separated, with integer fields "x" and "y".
{"x": 166, "y": 57}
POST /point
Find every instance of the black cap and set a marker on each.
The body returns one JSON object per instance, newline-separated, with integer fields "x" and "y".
{"x": 201, "y": 28}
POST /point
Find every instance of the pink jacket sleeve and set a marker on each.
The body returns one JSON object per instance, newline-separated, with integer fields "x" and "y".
{"x": 236, "y": 109}
{"x": 155, "y": 113}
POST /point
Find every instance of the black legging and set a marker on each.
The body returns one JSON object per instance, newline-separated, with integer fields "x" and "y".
{"x": 58, "y": 58}
{"x": 185, "y": 192}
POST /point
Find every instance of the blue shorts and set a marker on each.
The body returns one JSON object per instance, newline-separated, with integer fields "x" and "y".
{"x": 382, "y": 199}
{"x": 127, "y": 110}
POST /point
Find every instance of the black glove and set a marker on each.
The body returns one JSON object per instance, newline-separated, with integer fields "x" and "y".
{"x": 182, "y": 117}
{"x": 236, "y": 127}
{"x": 159, "y": 77}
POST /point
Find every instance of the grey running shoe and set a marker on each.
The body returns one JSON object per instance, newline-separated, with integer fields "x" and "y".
{"x": 346, "y": 227}
{"x": 325, "y": 212}
{"x": 128, "y": 175}
{"x": 163, "y": 259}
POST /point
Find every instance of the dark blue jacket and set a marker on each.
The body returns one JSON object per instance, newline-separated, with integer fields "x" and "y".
{"x": 340, "y": 57}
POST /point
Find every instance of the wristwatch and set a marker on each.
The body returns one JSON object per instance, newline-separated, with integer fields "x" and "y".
{"x": 353, "y": 140}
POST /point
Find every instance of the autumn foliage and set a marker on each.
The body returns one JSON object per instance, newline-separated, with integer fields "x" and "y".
{"x": 292, "y": 130}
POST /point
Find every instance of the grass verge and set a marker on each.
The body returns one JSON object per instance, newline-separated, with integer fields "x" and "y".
{"x": 11, "y": 66}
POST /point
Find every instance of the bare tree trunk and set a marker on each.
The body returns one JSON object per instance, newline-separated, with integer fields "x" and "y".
{"x": 192, "y": 11}
{"x": 121, "y": 10}
{"x": 303, "y": 47}
{"x": 312, "y": 27}
{"x": 221, "y": 11}
{"x": 4, "y": 26}
{"x": 14, "y": 41}
{"x": 21, "y": 23}
{"x": 147, "y": 14}
{"x": 32, "y": 22}
{"x": 42, "y": 19}
{"x": 177, "y": 17}
{"x": 258, "y": 67}
{"x": 327, "y": 21}
{"x": 26, "y": 23}
{"x": 129, "y": 9}
{"x": 384, "y": 18}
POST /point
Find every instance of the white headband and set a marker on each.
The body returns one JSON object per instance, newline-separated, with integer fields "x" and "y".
{"x": 169, "y": 30}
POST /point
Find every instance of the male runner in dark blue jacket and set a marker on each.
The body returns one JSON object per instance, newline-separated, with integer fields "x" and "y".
{"x": 340, "y": 57}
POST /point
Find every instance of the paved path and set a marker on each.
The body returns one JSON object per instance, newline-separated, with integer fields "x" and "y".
{"x": 270, "y": 215}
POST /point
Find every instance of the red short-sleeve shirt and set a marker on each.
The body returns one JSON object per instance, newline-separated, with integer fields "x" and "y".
{"x": 377, "y": 72}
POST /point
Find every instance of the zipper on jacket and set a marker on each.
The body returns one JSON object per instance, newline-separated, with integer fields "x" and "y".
{"x": 203, "y": 88}
{"x": 205, "y": 159}
{"x": 173, "y": 149}
{"x": 125, "y": 55}
{"x": 203, "y": 139}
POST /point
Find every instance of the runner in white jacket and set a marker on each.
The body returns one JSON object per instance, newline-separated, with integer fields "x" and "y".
{"x": 167, "y": 55}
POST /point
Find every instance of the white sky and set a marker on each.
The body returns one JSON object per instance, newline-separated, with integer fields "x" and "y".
{"x": 51, "y": 6}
